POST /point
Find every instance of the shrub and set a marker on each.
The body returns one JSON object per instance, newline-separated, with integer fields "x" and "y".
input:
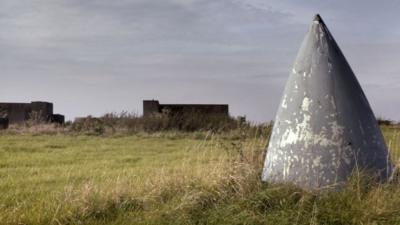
{"x": 189, "y": 121}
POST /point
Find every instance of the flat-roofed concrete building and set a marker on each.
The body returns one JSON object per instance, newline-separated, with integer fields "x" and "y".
{"x": 151, "y": 107}
{"x": 21, "y": 112}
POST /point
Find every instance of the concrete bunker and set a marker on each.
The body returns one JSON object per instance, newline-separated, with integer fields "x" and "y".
{"x": 152, "y": 107}
{"x": 16, "y": 113}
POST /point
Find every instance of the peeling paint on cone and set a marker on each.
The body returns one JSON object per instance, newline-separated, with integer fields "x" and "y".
{"x": 324, "y": 127}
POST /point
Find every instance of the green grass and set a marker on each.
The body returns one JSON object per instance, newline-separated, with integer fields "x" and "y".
{"x": 171, "y": 178}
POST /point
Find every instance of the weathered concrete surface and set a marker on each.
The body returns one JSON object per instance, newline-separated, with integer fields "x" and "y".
{"x": 324, "y": 127}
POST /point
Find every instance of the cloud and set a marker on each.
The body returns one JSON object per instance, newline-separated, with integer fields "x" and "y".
{"x": 76, "y": 52}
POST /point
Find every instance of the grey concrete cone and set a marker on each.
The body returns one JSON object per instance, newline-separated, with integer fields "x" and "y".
{"x": 324, "y": 128}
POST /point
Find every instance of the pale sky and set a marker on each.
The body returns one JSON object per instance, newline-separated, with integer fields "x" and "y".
{"x": 99, "y": 56}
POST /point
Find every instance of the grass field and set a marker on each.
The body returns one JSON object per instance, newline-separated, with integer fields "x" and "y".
{"x": 170, "y": 178}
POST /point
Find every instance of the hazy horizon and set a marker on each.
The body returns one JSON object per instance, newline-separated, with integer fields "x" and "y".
{"x": 97, "y": 56}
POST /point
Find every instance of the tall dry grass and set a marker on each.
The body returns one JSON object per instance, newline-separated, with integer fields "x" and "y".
{"x": 188, "y": 178}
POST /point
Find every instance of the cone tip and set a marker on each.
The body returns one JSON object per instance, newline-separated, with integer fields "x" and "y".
{"x": 317, "y": 18}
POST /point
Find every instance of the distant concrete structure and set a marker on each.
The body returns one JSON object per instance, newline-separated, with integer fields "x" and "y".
{"x": 21, "y": 112}
{"x": 324, "y": 128}
{"x": 151, "y": 107}
{"x": 58, "y": 118}
{"x": 3, "y": 123}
